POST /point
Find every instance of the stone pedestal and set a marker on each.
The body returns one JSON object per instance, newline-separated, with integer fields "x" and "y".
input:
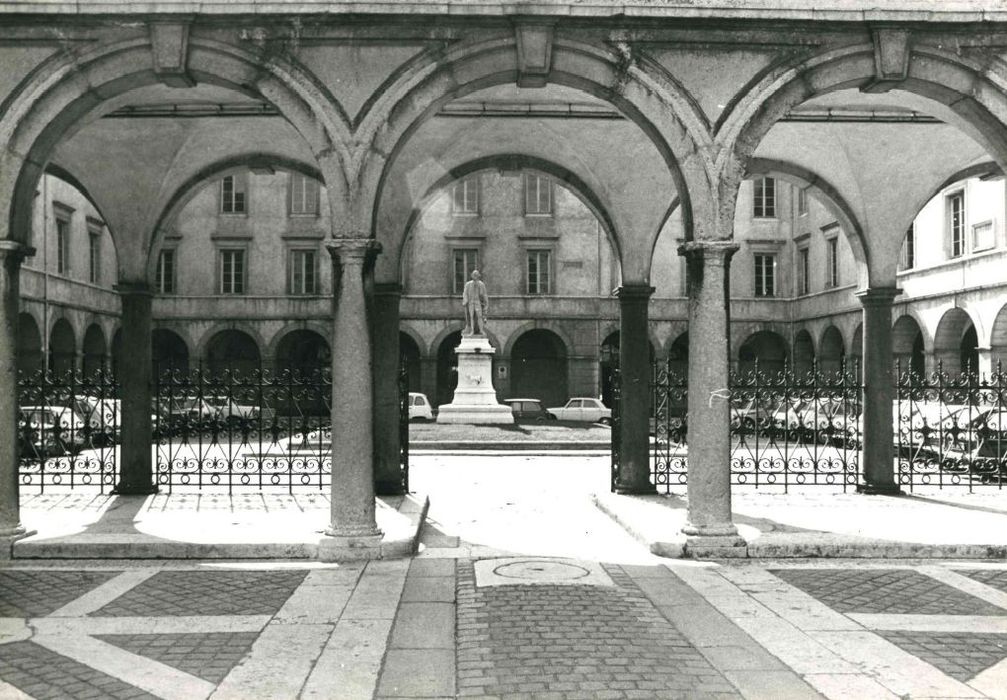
{"x": 475, "y": 399}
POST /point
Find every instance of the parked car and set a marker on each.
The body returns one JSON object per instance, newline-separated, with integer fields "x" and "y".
{"x": 584, "y": 409}
{"x": 419, "y": 407}
{"x": 227, "y": 411}
{"x": 55, "y": 424}
{"x": 528, "y": 410}
{"x": 191, "y": 414}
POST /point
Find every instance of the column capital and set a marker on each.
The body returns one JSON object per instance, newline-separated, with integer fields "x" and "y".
{"x": 15, "y": 251}
{"x": 709, "y": 250}
{"x": 352, "y": 249}
{"x": 387, "y": 289}
{"x": 634, "y": 291}
{"x": 877, "y": 296}
{"x": 134, "y": 289}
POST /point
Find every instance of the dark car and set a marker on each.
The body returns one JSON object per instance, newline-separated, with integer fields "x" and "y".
{"x": 528, "y": 410}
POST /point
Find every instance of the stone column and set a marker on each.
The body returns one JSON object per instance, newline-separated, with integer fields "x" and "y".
{"x": 710, "y": 523}
{"x": 385, "y": 326}
{"x": 136, "y": 473}
{"x": 878, "y": 458}
{"x": 634, "y": 389}
{"x": 353, "y": 525}
{"x": 11, "y": 256}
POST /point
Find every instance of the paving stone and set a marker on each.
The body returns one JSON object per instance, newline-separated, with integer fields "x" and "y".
{"x": 892, "y": 591}
{"x": 961, "y": 655}
{"x": 209, "y": 656}
{"x": 605, "y": 642}
{"x": 412, "y": 673}
{"x": 182, "y": 593}
{"x": 45, "y": 675}
{"x": 37, "y": 593}
{"x": 995, "y": 578}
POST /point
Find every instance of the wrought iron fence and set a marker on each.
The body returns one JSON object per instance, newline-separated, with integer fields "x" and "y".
{"x": 787, "y": 428}
{"x": 68, "y": 430}
{"x": 951, "y": 429}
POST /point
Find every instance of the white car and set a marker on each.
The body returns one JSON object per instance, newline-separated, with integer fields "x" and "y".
{"x": 583, "y": 409}
{"x": 419, "y": 407}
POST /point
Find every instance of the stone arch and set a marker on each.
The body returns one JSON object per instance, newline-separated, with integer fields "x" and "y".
{"x": 169, "y": 351}
{"x": 195, "y": 182}
{"x": 804, "y": 351}
{"x": 998, "y": 338}
{"x": 545, "y": 325}
{"x": 538, "y": 365}
{"x": 508, "y": 161}
{"x": 29, "y": 344}
{"x": 73, "y": 87}
{"x": 831, "y": 350}
{"x": 302, "y": 350}
{"x": 909, "y": 345}
{"x": 657, "y": 105}
{"x": 410, "y": 357}
{"x": 416, "y": 338}
{"x": 231, "y": 349}
{"x": 316, "y": 327}
{"x": 94, "y": 350}
{"x": 763, "y": 349}
{"x": 828, "y": 195}
{"x": 955, "y": 342}
{"x": 62, "y": 347}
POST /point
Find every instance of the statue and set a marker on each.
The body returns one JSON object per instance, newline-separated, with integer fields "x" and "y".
{"x": 476, "y": 302}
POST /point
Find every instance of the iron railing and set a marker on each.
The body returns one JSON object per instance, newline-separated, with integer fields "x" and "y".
{"x": 68, "y": 430}
{"x": 951, "y": 430}
{"x": 787, "y": 428}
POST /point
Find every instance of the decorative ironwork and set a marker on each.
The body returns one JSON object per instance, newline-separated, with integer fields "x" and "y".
{"x": 951, "y": 430}
{"x": 258, "y": 428}
{"x": 787, "y": 428}
{"x": 68, "y": 430}
{"x": 404, "y": 427}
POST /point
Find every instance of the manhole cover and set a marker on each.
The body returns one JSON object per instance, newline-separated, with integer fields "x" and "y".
{"x": 524, "y": 571}
{"x": 551, "y": 571}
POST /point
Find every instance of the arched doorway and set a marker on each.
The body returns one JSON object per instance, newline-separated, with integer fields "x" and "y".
{"x": 678, "y": 355}
{"x": 763, "y": 350}
{"x": 302, "y": 350}
{"x": 804, "y": 352}
{"x": 832, "y": 351}
{"x": 907, "y": 346}
{"x": 29, "y": 344}
{"x": 62, "y": 347}
{"x": 170, "y": 353}
{"x": 409, "y": 357}
{"x": 94, "y": 350}
{"x": 447, "y": 368}
{"x": 232, "y": 350}
{"x": 538, "y": 367}
{"x": 955, "y": 342}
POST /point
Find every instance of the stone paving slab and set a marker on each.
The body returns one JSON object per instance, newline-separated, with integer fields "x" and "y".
{"x": 210, "y": 656}
{"x": 35, "y": 593}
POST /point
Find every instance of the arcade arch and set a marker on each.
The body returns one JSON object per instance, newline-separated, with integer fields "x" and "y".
{"x": 804, "y": 352}
{"x": 169, "y": 351}
{"x": 956, "y": 343}
{"x": 62, "y": 347}
{"x": 998, "y": 339}
{"x": 29, "y": 344}
{"x": 538, "y": 362}
{"x": 232, "y": 350}
{"x": 832, "y": 351}
{"x": 908, "y": 346}
{"x": 302, "y": 350}
{"x": 94, "y": 350}
{"x": 765, "y": 351}
{"x": 410, "y": 358}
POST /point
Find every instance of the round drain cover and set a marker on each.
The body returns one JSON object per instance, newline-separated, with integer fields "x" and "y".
{"x": 538, "y": 570}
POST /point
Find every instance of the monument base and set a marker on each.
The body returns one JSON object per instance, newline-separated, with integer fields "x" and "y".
{"x": 475, "y": 400}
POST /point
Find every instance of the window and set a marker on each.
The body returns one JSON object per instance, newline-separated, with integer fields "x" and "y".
{"x": 303, "y": 272}
{"x": 907, "y": 260}
{"x": 765, "y": 198}
{"x": 803, "y": 268}
{"x": 802, "y": 201}
{"x": 303, "y": 195}
{"x": 982, "y": 236}
{"x": 537, "y": 195}
{"x": 832, "y": 262}
{"x": 465, "y": 197}
{"x": 62, "y": 246}
{"x": 539, "y": 281}
{"x": 232, "y": 271}
{"x": 165, "y": 275}
{"x": 232, "y": 195}
{"x": 956, "y": 223}
{"x": 765, "y": 275}
{"x": 93, "y": 256}
{"x": 465, "y": 261}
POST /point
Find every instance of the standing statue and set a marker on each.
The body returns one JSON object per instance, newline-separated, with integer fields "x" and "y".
{"x": 476, "y": 303}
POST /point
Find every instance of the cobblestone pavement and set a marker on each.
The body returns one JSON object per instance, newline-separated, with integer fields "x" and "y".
{"x": 517, "y": 593}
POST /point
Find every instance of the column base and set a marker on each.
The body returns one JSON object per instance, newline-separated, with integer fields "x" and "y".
{"x": 8, "y": 536}
{"x": 879, "y": 489}
{"x": 338, "y": 547}
{"x": 647, "y": 489}
{"x": 134, "y": 490}
{"x": 714, "y": 542}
